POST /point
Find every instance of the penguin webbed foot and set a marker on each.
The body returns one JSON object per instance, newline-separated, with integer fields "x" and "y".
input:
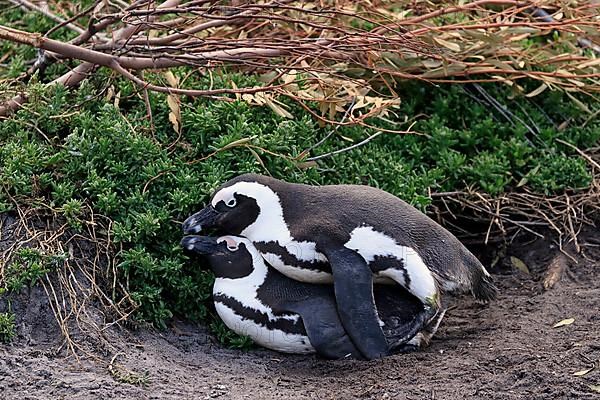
{"x": 398, "y": 335}
{"x": 406, "y": 348}
{"x": 339, "y": 349}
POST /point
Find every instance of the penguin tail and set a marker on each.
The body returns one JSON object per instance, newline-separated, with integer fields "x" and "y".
{"x": 482, "y": 283}
{"x": 483, "y": 287}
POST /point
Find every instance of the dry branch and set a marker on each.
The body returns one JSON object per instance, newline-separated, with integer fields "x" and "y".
{"x": 326, "y": 43}
{"x": 515, "y": 212}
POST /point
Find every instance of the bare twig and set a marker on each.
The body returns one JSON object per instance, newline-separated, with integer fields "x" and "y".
{"x": 323, "y": 43}
{"x": 31, "y": 6}
{"x": 79, "y": 73}
{"x": 354, "y": 146}
{"x": 581, "y": 153}
{"x": 331, "y": 132}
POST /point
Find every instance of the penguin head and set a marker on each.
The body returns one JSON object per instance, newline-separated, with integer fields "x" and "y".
{"x": 228, "y": 256}
{"x": 236, "y": 206}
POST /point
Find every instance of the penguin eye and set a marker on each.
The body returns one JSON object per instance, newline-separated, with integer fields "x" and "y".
{"x": 231, "y": 203}
{"x": 224, "y": 206}
{"x": 232, "y": 245}
{"x": 232, "y": 248}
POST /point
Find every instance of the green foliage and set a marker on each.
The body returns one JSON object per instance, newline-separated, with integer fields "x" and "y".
{"x": 7, "y": 326}
{"x": 27, "y": 266}
{"x": 93, "y": 154}
{"x": 228, "y": 338}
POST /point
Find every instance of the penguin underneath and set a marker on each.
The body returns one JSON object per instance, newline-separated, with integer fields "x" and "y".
{"x": 285, "y": 315}
{"x": 347, "y": 235}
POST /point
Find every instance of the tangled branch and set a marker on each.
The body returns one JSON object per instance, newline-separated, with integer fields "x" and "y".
{"x": 338, "y": 50}
{"x": 513, "y": 213}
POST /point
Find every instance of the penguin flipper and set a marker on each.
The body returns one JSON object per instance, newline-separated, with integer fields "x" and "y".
{"x": 323, "y": 327}
{"x": 353, "y": 285}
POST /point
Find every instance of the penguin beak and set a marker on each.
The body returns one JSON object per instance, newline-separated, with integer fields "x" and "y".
{"x": 204, "y": 245}
{"x": 205, "y": 218}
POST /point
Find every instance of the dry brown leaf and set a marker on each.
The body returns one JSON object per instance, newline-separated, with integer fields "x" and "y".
{"x": 257, "y": 157}
{"x": 583, "y": 372}
{"x": 519, "y": 264}
{"x": 555, "y": 270}
{"x": 290, "y": 76}
{"x": 577, "y": 82}
{"x": 525, "y": 179}
{"x": 519, "y": 37}
{"x": 447, "y": 70}
{"x": 332, "y": 110}
{"x": 110, "y": 92}
{"x": 278, "y": 109}
{"x": 563, "y": 125}
{"x": 591, "y": 63}
{"x": 171, "y": 78}
{"x": 432, "y": 63}
{"x": 307, "y": 164}
{"x": 595, "y": 388}
{"x": 449, "y": 45}
{"x": 237, "y": 143}
{"x": 175, "y": 114}
{"x": 564, "y": 322}
{"x": 537, "y": 91}
{"x": 501, "y": 65}
{"x": 173, "y": 102}
{"x": 238, "y": 96}
{"x": 117, "y": 99}
{"x": 247, "y": 97}
{"x": 174, "y": 122}
{"x": 579, "y": 104}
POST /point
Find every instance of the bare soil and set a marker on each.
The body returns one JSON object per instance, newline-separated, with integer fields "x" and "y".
{"x": 506, "y": 350}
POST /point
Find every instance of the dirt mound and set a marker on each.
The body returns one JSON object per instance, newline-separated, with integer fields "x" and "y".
{"x": 507, "y": 350}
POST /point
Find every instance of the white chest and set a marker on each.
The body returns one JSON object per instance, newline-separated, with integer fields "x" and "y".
{"x": 244, "y": 291}
{"x": 273, "y": 339}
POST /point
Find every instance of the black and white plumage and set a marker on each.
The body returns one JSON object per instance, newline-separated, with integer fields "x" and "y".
{"x": 289, "y": 316}
{"x": 348, "y": 235}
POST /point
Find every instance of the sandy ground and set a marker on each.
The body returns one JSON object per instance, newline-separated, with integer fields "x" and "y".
{"x": 507, "y": 350}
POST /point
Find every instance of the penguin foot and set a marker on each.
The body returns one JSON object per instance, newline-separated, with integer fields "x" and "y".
{"x": 431, "y": 328}
{"x": 407, "y": 348}
{"x": 401, "y": 334}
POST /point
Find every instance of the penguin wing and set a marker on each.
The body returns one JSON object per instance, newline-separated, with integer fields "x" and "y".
{"x": 315, "y": 304}
{"x": 323, "y": 327}
{"x": 353, "y": 285}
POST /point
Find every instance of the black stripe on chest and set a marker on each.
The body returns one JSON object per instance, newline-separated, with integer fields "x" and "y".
{"x": 382, "y": 263}
{"x": 290, "y": 259}
{"x": 262, "y": 319}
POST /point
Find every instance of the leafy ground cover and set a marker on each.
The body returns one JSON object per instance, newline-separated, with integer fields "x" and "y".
{"x": 76, "y": 151}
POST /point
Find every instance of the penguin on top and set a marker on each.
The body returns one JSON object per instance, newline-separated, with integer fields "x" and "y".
{"x": 285, "y": 315}
{"x": 347, "y": 235}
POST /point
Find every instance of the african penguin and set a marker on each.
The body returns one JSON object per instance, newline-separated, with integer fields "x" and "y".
{"x": 282, "y": 314}
{"x": 347, "y": 234}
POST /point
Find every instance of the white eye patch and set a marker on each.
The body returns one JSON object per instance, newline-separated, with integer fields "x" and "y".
{"x": 232, "y": 244}
{"x": 250, "y": 189}
{"x": 226, "y": 196}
